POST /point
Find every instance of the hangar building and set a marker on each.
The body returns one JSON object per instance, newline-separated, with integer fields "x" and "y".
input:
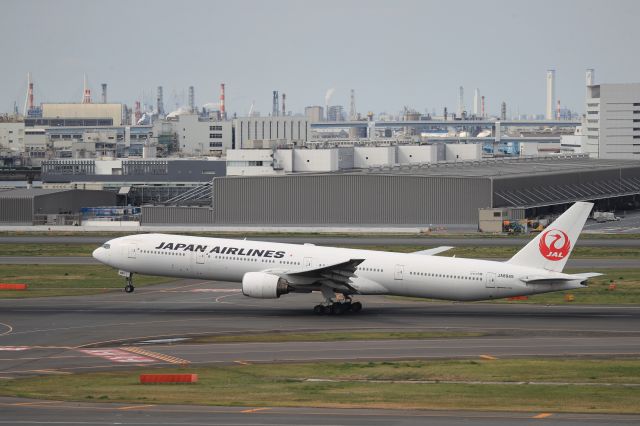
{"x": 449, "y": 193}
{"x": 49, "y": 206}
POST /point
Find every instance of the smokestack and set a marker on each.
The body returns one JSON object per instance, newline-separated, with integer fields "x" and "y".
{"x": 104, "y": 93}
{"x": 160, "y": 102}
{"x": 353, "y": 115}
{"x": 86, "y": 98}
{"x": 551, "y": 93}
{"x": 284, "y": 108}
{"x": 192, "y": 99}
{"x": 461, "y": 101}
{"x": 223, "y": 113}
{"x": 275, "y": 110}
{"x": 476, "y": 102}
{"x": 558, "y": 110}
{"x": 28, "y": 105}
{"x": 445, "y": 113}
{"x": 482, "y": 107}
{"x": 503, "y": 111}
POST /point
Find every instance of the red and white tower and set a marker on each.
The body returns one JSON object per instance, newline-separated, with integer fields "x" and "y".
{"x": 558, "y": 110}
{"x": 86, "y": 98}
{"x": 137, "y": 112}
{"x": 223, "y": 113}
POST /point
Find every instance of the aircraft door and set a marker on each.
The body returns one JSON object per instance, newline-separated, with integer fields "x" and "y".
{"x": 200, "y": 257}
{"x": 308, "y": 262}
{"x": 490, "y": 280}
{"x": 131, "y": 251}
{"x": 399, "y": 272}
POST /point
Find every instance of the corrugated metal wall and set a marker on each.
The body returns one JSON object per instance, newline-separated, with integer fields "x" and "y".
{"x": 176, "y": 215}
{"x": 16, "y": 210}
{"x": 350, "y": 199}
{"x": 72, "y": 201}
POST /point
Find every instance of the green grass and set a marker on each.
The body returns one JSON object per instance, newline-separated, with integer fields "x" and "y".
{"x": 351, "y": 385}
{"x": 66, "y": 280}
{"x": 53, "y": 249}
{"x": 506, "y": 252}
{"x": 236, "y": 234}
{"x": 330, "y": 336}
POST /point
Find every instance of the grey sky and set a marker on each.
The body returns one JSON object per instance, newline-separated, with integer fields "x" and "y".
{"x": 393, "y": 53}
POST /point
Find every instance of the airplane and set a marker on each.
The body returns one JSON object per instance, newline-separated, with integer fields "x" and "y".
{"x": 268, "y": 270}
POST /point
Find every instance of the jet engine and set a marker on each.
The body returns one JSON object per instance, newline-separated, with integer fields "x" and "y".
{"x": 264, "y": 286}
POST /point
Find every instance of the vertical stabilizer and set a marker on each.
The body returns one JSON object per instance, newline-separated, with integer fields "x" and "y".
{"x": 551, "y": 249}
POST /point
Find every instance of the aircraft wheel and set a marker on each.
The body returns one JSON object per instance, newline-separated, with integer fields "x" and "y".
{"x": 356, "y": 307}
{"x": 318, "y": 310}
{"x": 129, "y": 288}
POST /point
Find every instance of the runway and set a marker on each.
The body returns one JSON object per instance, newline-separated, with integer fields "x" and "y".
{"x": 587, "y": 264}
{"x": 120, "y": 331}
{"x": 102, "y": 332}
{"x": 42, "y": 412}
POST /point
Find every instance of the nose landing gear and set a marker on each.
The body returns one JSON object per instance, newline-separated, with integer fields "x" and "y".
{"x": 128, "y": 288}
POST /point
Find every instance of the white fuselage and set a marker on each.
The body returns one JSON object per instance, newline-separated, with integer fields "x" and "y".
{"x": 381, "y": 272}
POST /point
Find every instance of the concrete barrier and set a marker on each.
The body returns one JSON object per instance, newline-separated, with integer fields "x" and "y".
{"x": 168, "y": 378}
{"x": 12, "y": 286}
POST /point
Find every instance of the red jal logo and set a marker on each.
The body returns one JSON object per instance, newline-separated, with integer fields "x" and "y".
{"x": 554, "y": 244}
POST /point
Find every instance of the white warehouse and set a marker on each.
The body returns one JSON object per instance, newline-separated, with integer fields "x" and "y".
{"x": 274, "y": 161}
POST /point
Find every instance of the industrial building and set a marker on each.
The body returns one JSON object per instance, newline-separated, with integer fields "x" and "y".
{"x": 284, "y": 130}
{"x": 196, "y": 135}
{"x": 314, "y": 113}
{"x": 49, "y": 206}
{"x": 252, "y": 162}
{"x": 115, "y": 114}
{"x": 140, "y": 180}
{"x": 613, "y": 120}
{"x": 448, "y": 194}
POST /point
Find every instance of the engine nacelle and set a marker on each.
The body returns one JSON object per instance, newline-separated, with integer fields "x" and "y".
{"x": 264, "y": 286}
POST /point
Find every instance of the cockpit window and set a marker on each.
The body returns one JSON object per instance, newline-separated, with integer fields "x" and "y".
{"x": 106, "y": 246}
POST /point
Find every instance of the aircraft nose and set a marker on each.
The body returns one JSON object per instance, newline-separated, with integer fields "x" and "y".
{"x": 97, "y": 254}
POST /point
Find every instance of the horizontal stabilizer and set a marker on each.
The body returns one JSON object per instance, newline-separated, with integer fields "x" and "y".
{"x": 588, "y": 275}
{"x": 546, "y": 279}
{"x": 431, "y": 252}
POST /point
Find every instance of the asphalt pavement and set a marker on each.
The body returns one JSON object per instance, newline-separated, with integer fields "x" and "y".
{"x": 71, "y": 334}
{"x": 119, "y": 331}
{"x": 45, "y": 412}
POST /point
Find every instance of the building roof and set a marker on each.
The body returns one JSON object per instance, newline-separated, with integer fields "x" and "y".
{"x": 29, "y": 193}
{"x": 506, "y": 167}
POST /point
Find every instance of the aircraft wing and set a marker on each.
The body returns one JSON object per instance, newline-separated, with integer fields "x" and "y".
{"x": 337, "y": 275}
{"x": 431, "y": 252}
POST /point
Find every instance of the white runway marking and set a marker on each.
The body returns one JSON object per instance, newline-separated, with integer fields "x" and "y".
{"x": 117, "y": 355}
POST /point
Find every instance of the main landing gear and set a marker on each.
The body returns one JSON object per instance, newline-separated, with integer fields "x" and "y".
{"x": 338, "y": 308}
{"x": 331, "y": 307}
